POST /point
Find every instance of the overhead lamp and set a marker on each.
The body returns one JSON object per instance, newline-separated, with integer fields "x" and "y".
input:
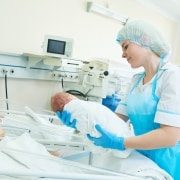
{"x": 94, "y": 7}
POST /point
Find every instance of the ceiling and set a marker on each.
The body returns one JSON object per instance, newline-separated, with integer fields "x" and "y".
{"x": 169, "y": 8}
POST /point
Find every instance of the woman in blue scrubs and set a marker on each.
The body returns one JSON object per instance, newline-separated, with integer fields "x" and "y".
{"x": 152, "y": 102}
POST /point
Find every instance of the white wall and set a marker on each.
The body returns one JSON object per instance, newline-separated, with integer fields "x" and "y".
{"x": 25, "y": 22}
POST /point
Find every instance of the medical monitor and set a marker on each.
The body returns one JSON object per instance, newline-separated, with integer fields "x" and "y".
{"x": 57, "y": 46}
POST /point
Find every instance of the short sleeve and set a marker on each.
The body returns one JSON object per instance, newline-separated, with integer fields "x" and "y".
{"x": 168, "y": 109}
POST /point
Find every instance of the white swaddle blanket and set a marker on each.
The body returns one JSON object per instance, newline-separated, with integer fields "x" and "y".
{"x": 88, "y": 114}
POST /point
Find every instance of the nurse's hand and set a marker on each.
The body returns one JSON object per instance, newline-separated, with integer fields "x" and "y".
{"x": 107, "y": 139}
{"x": 65, "y": 118}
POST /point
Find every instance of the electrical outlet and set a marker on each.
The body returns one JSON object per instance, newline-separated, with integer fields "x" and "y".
{"x": 3, "y": 71}
{"x": 11, "y": 71}
{"x": 53, "y": 75}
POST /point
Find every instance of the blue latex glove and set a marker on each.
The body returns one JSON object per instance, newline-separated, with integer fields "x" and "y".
{"x": 65, "y": 117}
{"x": 107, "y": 139}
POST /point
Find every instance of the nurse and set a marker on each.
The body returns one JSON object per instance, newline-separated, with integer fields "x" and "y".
{"x": 152, "y": 102}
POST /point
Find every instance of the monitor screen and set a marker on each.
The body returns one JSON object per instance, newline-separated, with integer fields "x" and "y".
{"x": 55, "y": 46}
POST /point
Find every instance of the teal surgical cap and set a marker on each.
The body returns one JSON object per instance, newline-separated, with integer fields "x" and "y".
{"x": 146, "y": 36}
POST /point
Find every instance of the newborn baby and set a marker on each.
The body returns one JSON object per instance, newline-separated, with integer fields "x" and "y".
{"x": 88, "y": 114}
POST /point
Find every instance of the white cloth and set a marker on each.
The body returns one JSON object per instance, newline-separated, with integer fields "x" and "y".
{"x": 88, "y": 114}
{"x": 31, "y": 155}
{"x": 23, "y": 122}
{"x": 23, "y": 154}
{"x": 136, "y": 164}
{"x": 168, "y": 92}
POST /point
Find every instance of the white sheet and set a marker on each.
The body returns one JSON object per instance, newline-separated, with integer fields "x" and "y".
{"x": 136, "y": 164}
{"x": 20, "y": 157}
{"x": 46, "y": 131}
{"x": 24, "y": 153}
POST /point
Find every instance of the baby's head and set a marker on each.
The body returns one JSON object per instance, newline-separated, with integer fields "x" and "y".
{"x": 60, "y": 99}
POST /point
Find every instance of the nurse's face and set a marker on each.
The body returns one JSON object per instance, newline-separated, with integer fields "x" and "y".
{"x": 134, "y": 53}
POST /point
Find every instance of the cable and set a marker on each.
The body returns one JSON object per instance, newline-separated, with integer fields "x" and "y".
{"x": 62, "y": 82}
{"x": 86, "y": 94}
{"x": 7, "y": 105}
{"x": 75, "y": 92}
{"x": 89, "y": 90}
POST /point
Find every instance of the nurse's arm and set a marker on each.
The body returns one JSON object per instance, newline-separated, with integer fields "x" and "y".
{"x": 165, "y": 136}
